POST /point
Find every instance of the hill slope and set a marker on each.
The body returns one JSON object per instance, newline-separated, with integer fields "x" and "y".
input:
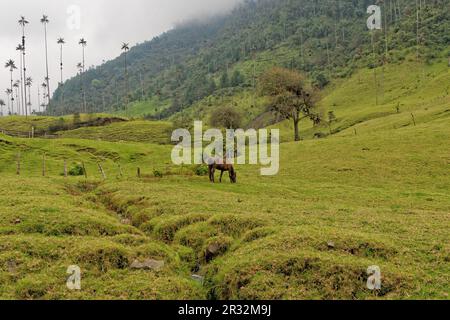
{"x": 326, "y": 39}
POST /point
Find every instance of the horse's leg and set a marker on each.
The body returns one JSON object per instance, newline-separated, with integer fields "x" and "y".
{"x": 221, "y": 175}
{"x": 213, "y": 173}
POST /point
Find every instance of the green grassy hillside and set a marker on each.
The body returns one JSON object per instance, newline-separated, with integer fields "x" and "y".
{"x": 139, "y": 130}
{"x": 418, "y": 90}
{"x": 326, "y": 40}
{"x": 339, "y": 205}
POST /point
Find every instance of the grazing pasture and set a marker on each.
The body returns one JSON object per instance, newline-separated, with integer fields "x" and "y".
{"x": 339, "y": 205}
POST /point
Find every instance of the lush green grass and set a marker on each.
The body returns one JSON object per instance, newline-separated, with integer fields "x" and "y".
{"x": 137, "y": 130}
{"x": 418, "y": 89}
{"x": 150, "y": 107}
{"x": 338, "y": 206}
{"x": 20, "y": 124}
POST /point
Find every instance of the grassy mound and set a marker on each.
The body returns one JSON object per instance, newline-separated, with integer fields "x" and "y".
{"x": 139, "y": 131}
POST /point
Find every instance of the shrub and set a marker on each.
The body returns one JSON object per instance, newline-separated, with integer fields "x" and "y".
{"x": 76, "y": 170}
{"x": 201, "y": 170}
{"x": 157, "y": 174}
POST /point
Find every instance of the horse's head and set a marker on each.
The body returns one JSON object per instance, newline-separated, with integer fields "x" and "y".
{"x": 233, "y": 176}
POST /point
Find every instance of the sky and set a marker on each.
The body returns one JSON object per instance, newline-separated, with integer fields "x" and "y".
{"x": 105, "y": 24}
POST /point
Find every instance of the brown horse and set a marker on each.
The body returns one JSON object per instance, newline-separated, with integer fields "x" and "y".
{"x": 222, "y": 167}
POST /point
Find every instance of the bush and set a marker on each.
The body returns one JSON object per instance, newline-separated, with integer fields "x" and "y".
{"x": 321, "y": 80}
{"x": 201, "y": 170}
{"x": 157, "y": 174}
{"x": 76, "y": 171}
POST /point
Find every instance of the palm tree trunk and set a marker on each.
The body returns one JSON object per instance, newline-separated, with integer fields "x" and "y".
{"x": 39, "y": 99}
{"x": 29, "y": 99}
{"x": 47, "y": 79}
{"x": 61, "y": 63}
{"x": 61, "y": 67}
{"x": 18, "y": 100}
{"x": 21, "y": 110}
{"x": 126, "y": 79}
{"x": 9, "y": 105}
{"x": 82, "y": 85}
{"x": 24, "y": 72}
{"x": 12, "y": 94}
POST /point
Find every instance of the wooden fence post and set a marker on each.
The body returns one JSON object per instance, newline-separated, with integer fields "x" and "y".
{"x": 414, "y": 119}
{"x": 43, "y": 165}
{"x": 32, "y": 132}
{"x": 84, "y": 169}
{"x": 18, "y": 164}
{"x": 101, "y": 171}
{"x": 138, "y": 172}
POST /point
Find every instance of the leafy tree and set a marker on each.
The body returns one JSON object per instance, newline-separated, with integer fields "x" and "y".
{"x": 226, "y": 117}
{"x": 224, "y": 80}
{"x": 291, "y": 97}
{"x": 321, "y": 80}
{"x": 236, "y": 79}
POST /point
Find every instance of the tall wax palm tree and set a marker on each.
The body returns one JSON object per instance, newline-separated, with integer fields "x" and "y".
{"x": 83, "y": 44}
{"x": 2, "y": 104}
{"x": 39, "y": 99}
{"x": 44, "y": 94}
{"x": 45, "y": 21}
{"x": 125, "y": 49}
{"x": 29, "y": 83}
{"x": 11, "y": 65}
{"x": 80, "y": 72}
{"x": 20, "y": 49}
{"x": 16, "y": 86}
{"x": 61, "y": 42}
{"x": 23, "y": 22}
{"x": 8, "y": 94}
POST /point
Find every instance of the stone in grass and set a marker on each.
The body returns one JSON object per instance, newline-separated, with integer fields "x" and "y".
{"x": 331, "y": 245}
{"x": 12, "y": 266}
{"x": 149, "y": 264}
{"x": 126, "y": 222}
{"x": 198, "y": 278}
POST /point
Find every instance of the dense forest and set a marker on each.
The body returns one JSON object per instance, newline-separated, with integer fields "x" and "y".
{"x": 325, "y": 39}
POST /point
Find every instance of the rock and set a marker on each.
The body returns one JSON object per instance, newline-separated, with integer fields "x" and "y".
{"x": 198, "y": 278}
{"x": 213, "y": 248}
{"x": 12, "y": 267}
{"x": 148, "y": 264}
{"x": 212, "y": 251}
{"x": 126, "y": 221}
{"x": 331, "y": 245}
